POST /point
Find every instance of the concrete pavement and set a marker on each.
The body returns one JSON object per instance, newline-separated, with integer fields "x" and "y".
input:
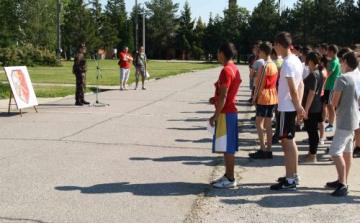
{"x": 146, "y": 158}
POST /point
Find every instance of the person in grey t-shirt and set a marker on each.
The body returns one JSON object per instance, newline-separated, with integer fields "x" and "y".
{"x": 141, "y": 66}
{"x": 345, "y": 100}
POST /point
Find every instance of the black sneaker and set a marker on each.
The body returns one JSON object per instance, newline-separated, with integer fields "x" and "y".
{"x": 356, "y": 153}
{"x": 341, "y": 190}
{"x": 329, "y": 137}
{"x": 253, "y": 118}
{"x": 283, "y": 186}
{"x": 250, "y": 100}
{"x": 283, "y": 180}
{"x": 298, "y": 128}
{"x": 327, "y": 150}
{"x": 258, "y": 155}
{"x": 275, "y": 140}
{"x": 269, "y": 154}
{"x": 78, "y": 103}
{"x": 303, "y": 128}
{"x": 85, "y": 102}
{"x": 334, "y": 184}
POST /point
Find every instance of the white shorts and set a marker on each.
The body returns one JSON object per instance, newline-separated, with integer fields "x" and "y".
{"x": 342, "y": 142}
{"x": 124, "y": 74}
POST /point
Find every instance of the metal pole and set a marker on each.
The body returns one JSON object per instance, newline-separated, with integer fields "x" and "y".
{"x": 144, "y": 28}
{"x": 136, "y": 26}
{"x": 58, "y": 50}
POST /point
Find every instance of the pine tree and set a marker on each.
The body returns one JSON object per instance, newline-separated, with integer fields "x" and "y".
{"x": 161, "y": 26}
{"x": 185, "y": 32}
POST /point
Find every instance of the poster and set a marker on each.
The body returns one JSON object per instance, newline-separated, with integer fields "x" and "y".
{"x": 21, "y": 86}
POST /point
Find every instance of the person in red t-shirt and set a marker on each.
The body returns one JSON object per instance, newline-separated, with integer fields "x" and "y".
{"x": 125, "y": 59}
{"x": 225, "y": 119}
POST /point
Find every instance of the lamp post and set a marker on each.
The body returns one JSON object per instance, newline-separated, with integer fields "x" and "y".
{"x": 136, "y": 26}
{"x": 144, "y": 15}
{"x": 58, "y": 45}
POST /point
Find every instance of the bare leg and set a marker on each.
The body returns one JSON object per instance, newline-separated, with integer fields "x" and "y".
{"x": 229, "y": 165}
{"x": 268, "y": 134}
{"x": 348, "y": 158}
{"x": 260, "y": 131}
{"x": 357, "y": 137}
{"x": 341, "y": 168}
{"x": 331, "y": 111}
{"x": 290, "y": 157}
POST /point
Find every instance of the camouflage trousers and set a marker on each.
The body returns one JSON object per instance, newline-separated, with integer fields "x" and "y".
{"x": 80, "y": 86}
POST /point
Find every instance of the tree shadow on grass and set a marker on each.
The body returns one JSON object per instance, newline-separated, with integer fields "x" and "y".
{"x": 151, "y": 189}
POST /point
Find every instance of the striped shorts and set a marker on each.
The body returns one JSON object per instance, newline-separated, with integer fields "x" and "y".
{"x": 225, "y": 139}
{"x": 285, "y": 125}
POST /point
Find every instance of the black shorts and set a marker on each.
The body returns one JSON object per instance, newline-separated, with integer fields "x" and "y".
{"x": 328, "y": 94}
{"x": 264, "y": 111}
{"x": 285, "y": 125}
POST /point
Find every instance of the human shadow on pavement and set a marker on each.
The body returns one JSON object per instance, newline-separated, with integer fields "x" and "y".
{"x": 303, "y": 196}
{"x": 150, "y": 189}
{"x": 186, "y": 160}
{"x": 189, "y": 120}
{"x": 189, "y": 129}
{"x": 11, "y": 114}
{"x": 204, "y": 140}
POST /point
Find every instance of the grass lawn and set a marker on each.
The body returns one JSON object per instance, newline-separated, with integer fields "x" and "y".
{"x": 110, "y": 72}
{"x": 43, "y": 91}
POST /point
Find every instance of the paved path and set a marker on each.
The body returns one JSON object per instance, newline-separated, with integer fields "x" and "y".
{"x": 146, "y": 158}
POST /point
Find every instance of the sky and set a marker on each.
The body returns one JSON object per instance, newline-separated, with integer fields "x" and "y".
{"x": 202, "y": 8}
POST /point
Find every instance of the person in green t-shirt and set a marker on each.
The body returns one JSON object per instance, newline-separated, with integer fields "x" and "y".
{"x": 334, "y": 71}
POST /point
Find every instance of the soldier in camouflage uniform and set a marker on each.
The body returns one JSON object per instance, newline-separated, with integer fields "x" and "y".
{"x": 79, "y": 69}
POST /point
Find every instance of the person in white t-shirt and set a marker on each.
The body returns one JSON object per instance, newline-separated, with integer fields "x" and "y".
{"x": 289, "y": 108}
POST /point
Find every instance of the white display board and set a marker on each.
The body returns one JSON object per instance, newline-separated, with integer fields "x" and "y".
{"x": 21, "y": 86}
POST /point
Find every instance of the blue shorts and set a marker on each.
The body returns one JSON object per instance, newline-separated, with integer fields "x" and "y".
{"x": 265, "y": 111}
{"x": 226, "y": 135}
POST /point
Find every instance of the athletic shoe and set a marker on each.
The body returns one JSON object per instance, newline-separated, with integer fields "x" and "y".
{"x": 329, "y": 128}
{"x": 260, "y": 154}
{"x": 225, "y": 184}
{"x": 309, "y": 158}
{"x": 283, "y": 180}
{"x": 78, "y": 103}
{"x": 341, "y": 190}
{"x": 283, "y": 186}
{"x": 329, "y": 137}
{"x": 322, "y": 141}
{"x": 143, "y": 88}
{"x": 125, "y": 88}
{"x": 298, "y": 128}
{"x": 333, "y": 184}
{"x": 303, "y": 128}
{"x": 327, "y": 150}
{"x": 223, "y": 178}
{"x": 253, "y": 118}
{"x": 121, "y": 89}
{"x": 250, "y": 100}
{"x": 356, "y": 152}
{"x": 135, "y": 88}
{"x": 85, "y": 102}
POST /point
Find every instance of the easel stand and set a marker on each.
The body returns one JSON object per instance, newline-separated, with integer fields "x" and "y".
{"x": 97, "y": 103}
{"x": 11, "y": 96}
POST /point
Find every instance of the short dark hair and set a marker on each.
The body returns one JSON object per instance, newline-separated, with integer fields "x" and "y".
{"x": 305, "y": 50}
{"x": 228, "y": 49}
{"x": 333, "y": 48}
{"x": 351, "y": 60}
{"x": 266, "y": 47}
{"x": 258, "y": 42}
{"x": 297, "y": 47}
{"x": 273, "y": 51}
{"x": 341, "y": 52}
{"x": 324, "y": 46}
{"x": 284, "y": 39}
{"x": 314, "y": 57}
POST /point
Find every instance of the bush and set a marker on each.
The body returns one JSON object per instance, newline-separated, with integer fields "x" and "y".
{"x": 27, "y": 55}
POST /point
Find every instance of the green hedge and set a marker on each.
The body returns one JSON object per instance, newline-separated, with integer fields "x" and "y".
{"x": 27, "y": 55}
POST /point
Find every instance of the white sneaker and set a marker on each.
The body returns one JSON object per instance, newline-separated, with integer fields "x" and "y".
{"x": 322, "y": 141}
{"x": 219, "y": 180}
{"x": 225, "y": 184}
{"x": 135, "y": 88}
